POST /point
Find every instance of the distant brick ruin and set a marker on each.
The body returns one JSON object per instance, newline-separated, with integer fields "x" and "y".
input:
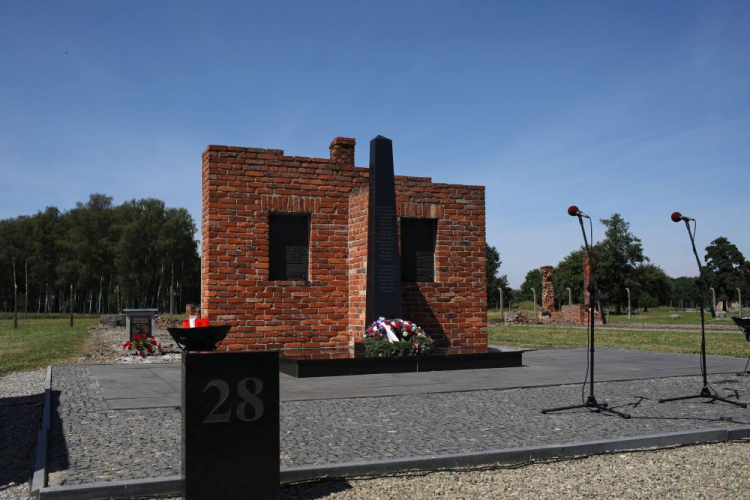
{"x": 548, "y": 291}
{"x": 569, "y": 313}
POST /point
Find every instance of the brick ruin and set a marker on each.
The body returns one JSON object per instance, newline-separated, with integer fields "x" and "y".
{"x": 246, "y": 192}
{"x": 569, "y": 313}
{"x": 548, "y": 291}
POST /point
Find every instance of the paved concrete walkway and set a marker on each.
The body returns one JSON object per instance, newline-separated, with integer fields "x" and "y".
{"x": 122, "y": 422}
{"x": 159, "y": 385}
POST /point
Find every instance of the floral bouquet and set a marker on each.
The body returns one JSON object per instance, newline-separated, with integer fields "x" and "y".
{"x": 396, "y": 337}
{"x": 142, "y": 345}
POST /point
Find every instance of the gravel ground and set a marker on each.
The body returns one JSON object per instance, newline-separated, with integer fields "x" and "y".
{"x": 705, "y": 471}
{"x": 104, "y": 347}
{"x": 90, "y": 442}
{"x": 98, "y": 444}
{"x": 22, "y": 397}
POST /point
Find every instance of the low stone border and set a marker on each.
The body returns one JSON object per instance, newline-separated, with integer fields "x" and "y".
{"x": 39, "y": 478}
{"x": 174, "y": 485}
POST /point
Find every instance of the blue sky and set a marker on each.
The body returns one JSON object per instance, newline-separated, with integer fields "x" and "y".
{"x": 635, "y": 107}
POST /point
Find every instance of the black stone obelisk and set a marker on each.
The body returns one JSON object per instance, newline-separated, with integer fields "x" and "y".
{"x": 383, "y": 261}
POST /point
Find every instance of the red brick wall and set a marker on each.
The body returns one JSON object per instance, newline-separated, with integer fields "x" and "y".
{"x": 358, "y": 206}
{"x": 241, "y": 186}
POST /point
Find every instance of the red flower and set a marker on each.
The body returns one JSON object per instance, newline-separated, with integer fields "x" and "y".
{"x": 158, "y": 344}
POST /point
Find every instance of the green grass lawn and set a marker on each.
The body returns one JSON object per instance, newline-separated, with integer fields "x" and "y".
{"x": 722, "y": 344}
{"x": 657, "y": 316}
{"x": 662, "y": 316}
{"x": 41, "y": 342}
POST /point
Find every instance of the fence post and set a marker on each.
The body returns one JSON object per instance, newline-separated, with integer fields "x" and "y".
{"x": 628, "y": 290}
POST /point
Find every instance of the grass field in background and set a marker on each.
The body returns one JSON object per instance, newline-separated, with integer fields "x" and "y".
{"x": 38, "y": 343}
{"x": 655, "y": 316}
{"x": 662, "y": 316}
{"x": 721, "y": 344}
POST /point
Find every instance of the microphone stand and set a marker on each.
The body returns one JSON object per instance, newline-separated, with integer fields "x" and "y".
{"x": 593, "y": 290}
{"x": 706, "y": 391}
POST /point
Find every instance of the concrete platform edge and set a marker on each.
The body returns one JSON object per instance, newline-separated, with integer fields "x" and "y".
{"x": 506, "y": 456}
{"x": 39, "y": 478}
{"x": 173, "y": 485}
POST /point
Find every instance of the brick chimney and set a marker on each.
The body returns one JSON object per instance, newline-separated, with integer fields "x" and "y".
{"x": 342, "y": 151}
{"x": 548, "y": 291}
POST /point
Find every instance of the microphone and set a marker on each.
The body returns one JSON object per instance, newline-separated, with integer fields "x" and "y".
{"x": 677, "y": 217}
{"x": 573, "y": 211}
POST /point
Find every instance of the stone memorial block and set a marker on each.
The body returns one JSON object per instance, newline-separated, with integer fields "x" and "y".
{"x": 231, "y": 425}
{"x": 383, "y": 261}
{"x": 139, "y": 321}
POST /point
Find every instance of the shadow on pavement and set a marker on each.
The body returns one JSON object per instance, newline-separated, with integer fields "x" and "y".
{"x": 314, "y": 489}
{"x": 57, "y": 448}
{"x": 20, "y": 417}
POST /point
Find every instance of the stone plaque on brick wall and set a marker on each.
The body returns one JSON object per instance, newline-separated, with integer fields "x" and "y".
{"x": 418, "y": 249}
{"x": 383, "y": 260}
{"x": 289, "y": 240}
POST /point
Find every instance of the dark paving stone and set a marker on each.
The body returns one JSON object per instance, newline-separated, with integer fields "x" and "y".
{"x": 92, "y": 442}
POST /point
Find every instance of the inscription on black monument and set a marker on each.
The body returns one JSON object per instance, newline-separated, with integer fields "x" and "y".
{"x": 289, "y": 247}
{"x": 231, "y": 425}
{"x": 383, "y": 262}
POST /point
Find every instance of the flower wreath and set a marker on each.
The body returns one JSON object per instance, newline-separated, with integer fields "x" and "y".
{"x": 396, "y": 337}
{"x": 142, "y": 345}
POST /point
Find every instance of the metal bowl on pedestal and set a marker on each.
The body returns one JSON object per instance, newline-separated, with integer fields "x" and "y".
{"x": 200, "y": 338}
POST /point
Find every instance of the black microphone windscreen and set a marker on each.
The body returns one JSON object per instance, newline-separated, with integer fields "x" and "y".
{"x": 573, "y": 210}
{"x": 676, "y": 217}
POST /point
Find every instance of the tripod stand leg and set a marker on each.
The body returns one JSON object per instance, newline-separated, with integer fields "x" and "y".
{"x": 744, "y": 371}
{"x": 683, "y": 397}
{"x": 610, "y": 410}
{"x": 736, "y": 403}
{"x": 591, "y": 404}
{"x": 563, "y": 408}
{"x": 705, "y": 393}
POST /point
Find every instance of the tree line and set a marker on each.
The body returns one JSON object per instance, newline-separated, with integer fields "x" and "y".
{"x": 99, "y": 258}
{"x": 620, "y": 265}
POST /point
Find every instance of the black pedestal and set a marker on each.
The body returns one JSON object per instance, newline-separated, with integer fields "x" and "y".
{"x": 230, "y": 425}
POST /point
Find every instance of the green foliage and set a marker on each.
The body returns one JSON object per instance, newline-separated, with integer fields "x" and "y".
{"x": 494, "y": 282}
{"x": 378, "y": 347}
{"x": 569, "y": 274}
{"x": 651, "y": 287}
{"x": 725, "y": 269}
{"x": 617, "y": 259}
{"x": 533, "y": 280}
{"x": 686, "y": 290}
{"x": 139, "y": 248}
